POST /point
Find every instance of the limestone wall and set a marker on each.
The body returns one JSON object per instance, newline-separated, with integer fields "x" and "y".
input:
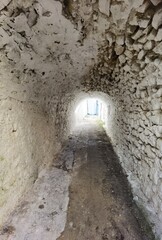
{"x": 129, "y": 70}
{"x": 26, "y": 146}
{"x": 137, "y": 138}
{"x": 37, "y": 69}
{"x": 53, "y": 51}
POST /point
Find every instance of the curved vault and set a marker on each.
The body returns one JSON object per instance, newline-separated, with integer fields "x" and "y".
{"x": 105, "y": 112}
{"x": 50, "y": 52}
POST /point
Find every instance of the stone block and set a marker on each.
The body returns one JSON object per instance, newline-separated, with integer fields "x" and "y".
{"x": 156, "y": 104}
{"x": 137, "y": 35}
{"x": 119, "y": 49}
{"x": 122, "y": 59}
{"x": 133, "y": 20}
{"x": 158, "y": 48}
{"x": 142, "y": 39}
{"x": 152, "y": 34}
{"x": 158, "y": 94}
{"x": 143, "y": 7}
{"x": 110, "y": 37}
{"x": 143, "y": 23}
{"x": 143, "y": 94}
{"x": 159, "y": 81}
{"x": 156, "y": 119}
{"x": 129, "y": 54}
{"x": 32, "y": 18}
{"x": 159, "y": 144}
{"x": 137, "y": 3}
{"x": 127, "y": 68}
{"x": 159, "y": 35}
{"x": 24, "y": 3}
{"x": 4, "y": 3}
{"x": 120, "y": 39}
{"x": 116, "y": 12}
{"x": 137, "y": 46}
{"x": 148, "y": 45}
{"x": 157, "y": 131}
{"x": 135, "y": 67}
{"x": 104, "y": 7}
{"x": 141, "y": 54}
{"x": 155, "y": 2}
{"x": 157, "y": 19}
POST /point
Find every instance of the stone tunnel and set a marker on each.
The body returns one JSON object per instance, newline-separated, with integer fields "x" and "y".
{"x": 53, "y": 54}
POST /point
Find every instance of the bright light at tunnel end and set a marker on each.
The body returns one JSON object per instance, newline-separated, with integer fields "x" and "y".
{"x": 91, "y": 109}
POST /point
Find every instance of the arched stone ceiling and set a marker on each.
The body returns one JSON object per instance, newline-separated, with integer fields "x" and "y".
{"x": 52, "y": 51}
{"x": 54, "y": 46}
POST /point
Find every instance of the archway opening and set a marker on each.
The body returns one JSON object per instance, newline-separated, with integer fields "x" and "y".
{"x": 91, "y": 106}
{"x": 91, "y": 109}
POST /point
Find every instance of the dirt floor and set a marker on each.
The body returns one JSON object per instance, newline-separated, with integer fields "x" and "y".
{"x": 84, "y": 196}
{"x": 101, "y": 205}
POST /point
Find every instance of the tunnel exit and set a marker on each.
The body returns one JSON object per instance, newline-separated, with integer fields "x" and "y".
{"x": 91, "y": 109}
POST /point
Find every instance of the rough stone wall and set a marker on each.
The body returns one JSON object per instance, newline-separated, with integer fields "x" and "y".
{"x": 129, "y": 70}
{"x": 24, "y": 128}
{"x": 39, "y": 64}
{"x": 51, "y": 51}
{"x": 137, "y": 137}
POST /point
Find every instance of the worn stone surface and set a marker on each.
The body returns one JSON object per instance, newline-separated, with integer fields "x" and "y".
{"x": 42, "y": 213}
{"x": 23, "y": 129}
{"x": 100, "y": 203}
{"x": 84, "y": 195}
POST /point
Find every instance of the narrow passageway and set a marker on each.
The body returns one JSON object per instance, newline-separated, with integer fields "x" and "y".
{"x": 101, "y": 205}
{"x": 63, "y": 61}
{"x": 83, "y": 196}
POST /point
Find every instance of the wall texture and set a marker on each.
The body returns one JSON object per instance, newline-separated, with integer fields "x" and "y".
{"x": 54, "y": 52}
{"x": 27, "y": 145}
{"x": 129, "y": 70}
